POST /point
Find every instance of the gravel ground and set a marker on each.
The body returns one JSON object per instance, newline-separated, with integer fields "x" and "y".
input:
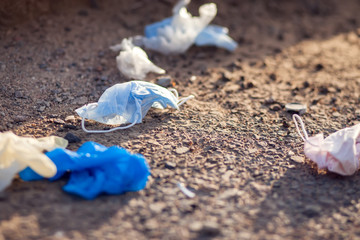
{"x": 234, "y": 145}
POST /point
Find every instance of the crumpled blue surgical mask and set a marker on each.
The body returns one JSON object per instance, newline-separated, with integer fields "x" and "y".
{"x": 128, "y": 103}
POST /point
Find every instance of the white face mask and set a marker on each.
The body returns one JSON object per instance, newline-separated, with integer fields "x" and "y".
{"x": 128, "y": 103}
{"x": 338, "y": 153}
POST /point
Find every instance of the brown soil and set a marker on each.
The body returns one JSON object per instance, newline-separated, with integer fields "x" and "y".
{"x": 234, "y": 145}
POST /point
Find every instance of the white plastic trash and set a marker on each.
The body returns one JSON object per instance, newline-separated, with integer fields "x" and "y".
{"x": 133, "y": 62}
{"x": 178, "y": 33}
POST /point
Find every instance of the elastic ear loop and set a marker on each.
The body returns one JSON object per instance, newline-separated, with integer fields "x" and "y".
{"x": 304, "y": 137}
{"x": 174, "y": 91}
{"x": 182, "y": 100}
{"x": 106, "y": 131}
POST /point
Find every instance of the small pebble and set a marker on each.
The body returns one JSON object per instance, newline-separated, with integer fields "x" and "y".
{"x": 72, "y": 138}
{"x": 319, "y": 67}
{"x": 225, "y": 76}
{"x": 272, "y": 76}
{"x": 151, "y": 224}
{"x": 269, "y": 101}
{"x": 297, "y": 159}
{"x": 170, "y": 165}
{"x": 104, "y": 78}
{"x": 70, "y": 118}
{"x": 296, "y": 107}
{"x": 210, "y": 229}
{"x": 42, "y": 65}
{"x": 69, "y": 126}
{"x": 196, "y": 226}
{"x": 164, "y": 81}
{"x": 59, "y": 234}
{"x": 306, "y": 84}
{"x": 182, "y": 150}
{"x": 58, "y": 121}
{"x": 276, "y": 107}
{"x": 312, "y": 211}
{"x": 336, "y": 114}
{"x": 41, "y": 108}
{"x": 18, "y": 94}
{"x": 157, "y": 207}
{"x": 20, "y": 118}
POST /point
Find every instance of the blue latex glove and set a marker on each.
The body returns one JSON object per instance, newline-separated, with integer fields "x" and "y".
{"x": 96, "y": 169}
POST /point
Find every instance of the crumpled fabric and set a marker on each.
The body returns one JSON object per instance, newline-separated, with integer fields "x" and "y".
{"x": 133, "y": 62}
{"x": 95, "y": 169}
{"x": 338, "y": 153}
{"x": 179, "y": 32}
{"x": 17, "y": 153}
{"x": 212, "y": 35}
{"x": 217, "y": 36}
{"x": 128, "y": 103}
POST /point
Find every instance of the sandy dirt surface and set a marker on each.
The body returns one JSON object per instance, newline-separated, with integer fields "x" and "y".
{"x": 234, "y": 145}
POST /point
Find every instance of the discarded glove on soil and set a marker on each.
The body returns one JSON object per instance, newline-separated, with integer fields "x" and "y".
{"x": 178, "y": 33}
{"x": 128, "y": 103}
{"x": 96, "y": 169}
{"x": 17, "y": 153}
{"x": 338, "y": 153}
{"x": 133, "y": 62}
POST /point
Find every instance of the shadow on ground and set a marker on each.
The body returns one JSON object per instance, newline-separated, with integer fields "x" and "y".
{"x": 302, "y": 194}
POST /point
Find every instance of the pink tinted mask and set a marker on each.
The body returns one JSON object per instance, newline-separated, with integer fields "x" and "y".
{"x": 338, "y": 153}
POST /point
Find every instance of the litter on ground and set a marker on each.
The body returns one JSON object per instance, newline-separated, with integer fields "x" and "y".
{"x": 17, "y": 153}
{"x": 133, "y": 62}
{"x": 128, "y": 103}
{"x": 96, "y": 169}
{"x": 339, "y": 152}
{"x": 177, "y": 34}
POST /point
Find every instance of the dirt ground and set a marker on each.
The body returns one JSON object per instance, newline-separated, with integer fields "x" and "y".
{"x": 234, "y": 145}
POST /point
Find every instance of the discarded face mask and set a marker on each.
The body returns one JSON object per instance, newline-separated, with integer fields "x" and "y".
{"x": 339, "y": 152}
{"x": 178, "y": 33}
{"x": 128, "y": 103}
{"x": 212, "y": 35}
{"x": 17, "y": 153}
{"x": 133, "y": 62}
{"x": 96, "y": 169}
